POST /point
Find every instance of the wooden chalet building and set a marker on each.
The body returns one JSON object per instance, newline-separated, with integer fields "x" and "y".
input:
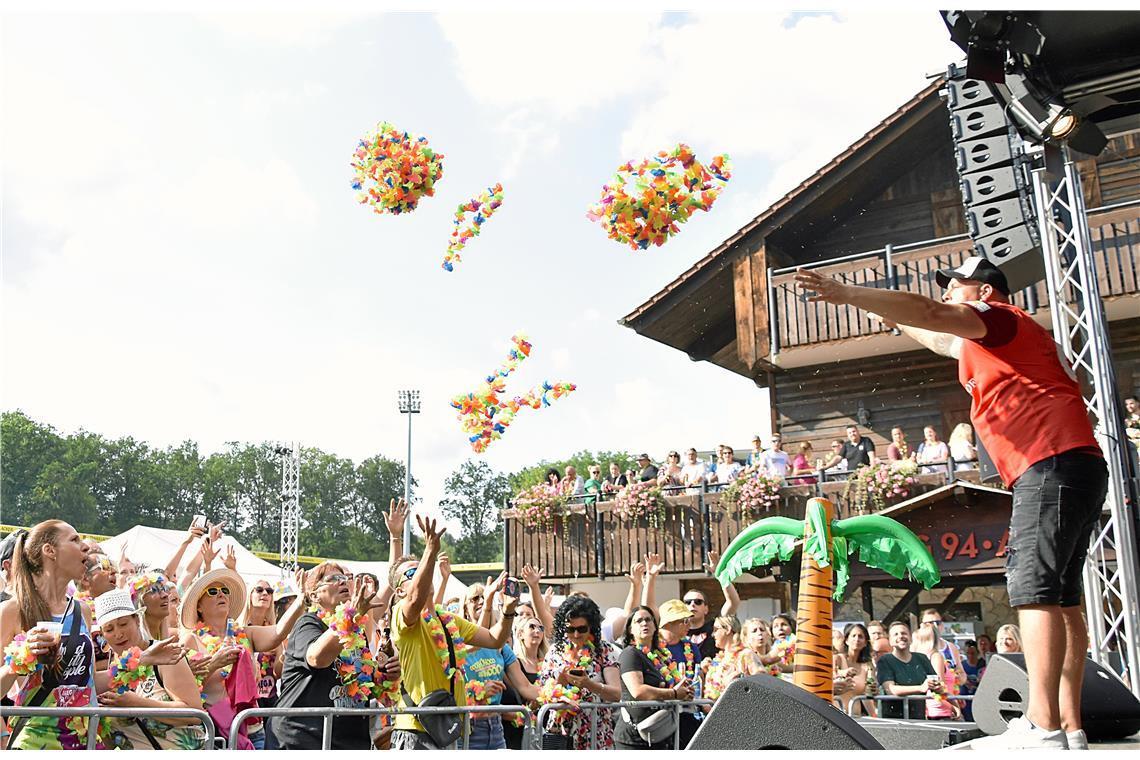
{"x": 887, "y": 212}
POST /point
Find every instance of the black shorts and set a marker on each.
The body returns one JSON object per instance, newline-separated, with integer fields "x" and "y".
{"x": 1056, "y": 504}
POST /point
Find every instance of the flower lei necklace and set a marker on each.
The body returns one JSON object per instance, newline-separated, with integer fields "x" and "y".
{"x": 127, "y": 671}
{"x": 356, "y": 664}
{"x": 18, "y": 656}
{"x": 669, "y": 669}
{"x": 436, "y": 623}
{"x": 551, "y": 691}
{"x": 234, "y": 633}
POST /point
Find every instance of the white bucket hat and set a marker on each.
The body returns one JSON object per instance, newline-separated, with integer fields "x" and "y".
{"x": 113, "y": 605}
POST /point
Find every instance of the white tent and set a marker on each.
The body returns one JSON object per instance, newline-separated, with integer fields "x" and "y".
{"x": 154, "y": 547}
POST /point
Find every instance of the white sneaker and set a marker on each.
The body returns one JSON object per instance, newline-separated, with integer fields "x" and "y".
{"x": 1077, "y": 739}
{"x": 1022, "y": 734}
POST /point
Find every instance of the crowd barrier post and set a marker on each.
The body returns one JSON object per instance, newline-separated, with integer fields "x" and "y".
{"x": 112, "y": 712}
{"x": 676, "y": 705}
{"x": 329, "y": 713}
{"x": 878, "y": 699}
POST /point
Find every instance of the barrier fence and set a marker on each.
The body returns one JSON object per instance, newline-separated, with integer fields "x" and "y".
{"x": 676, "y": 705}
{"x": 328, "y": 713}
{"x": 880, "y": 698}
{"x": 112, "y": 712}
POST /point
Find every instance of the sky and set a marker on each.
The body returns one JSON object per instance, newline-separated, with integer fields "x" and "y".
{"x": 183, "y": 257}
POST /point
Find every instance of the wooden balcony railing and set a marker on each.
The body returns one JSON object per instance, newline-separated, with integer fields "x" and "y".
{"x": 595, "y": 542}
{"x": 795, "y": 322}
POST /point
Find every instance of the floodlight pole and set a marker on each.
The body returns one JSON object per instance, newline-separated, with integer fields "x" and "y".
{"x": 409, "y": 405}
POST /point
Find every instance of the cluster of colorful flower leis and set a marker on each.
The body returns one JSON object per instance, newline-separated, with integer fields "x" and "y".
{"x": 235, "y": 634}
{"x": 485, "y": 416}
{"x": 393, "y": 170}
{"x": 436, "y": 621}
{"x": 551, "y": 691}
{"x": 477, "y": 692}
{"x": 356, "y": 664}
{"x": 482, "y": 207}
{"x": 671, "y": 671}
{"x": 18, "y": 656}
{"x": 722, "y": 669}
{"x": 126, "y": 670}
{"x": 645, "y": 203}
{"x": 950, "y": 687}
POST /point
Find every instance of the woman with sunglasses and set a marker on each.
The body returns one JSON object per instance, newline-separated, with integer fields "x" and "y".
{"x": 329, "y": 663}
{"x": 669, "y": 476}
{"x": 724, "y": 667}
{"x": 530, "y": 647}
{"x": 259, "y": 611}
{"x": 151, "y": 591}
{"x": 580, "y": 667}
{"x": 648, "y": 674}
{"x": 222, "y": 650}
{"x": 98, "y": 579}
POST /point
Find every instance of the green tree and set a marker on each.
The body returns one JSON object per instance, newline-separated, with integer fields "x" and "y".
{"x": 474, "y": 495}
{"x": 536, "y": 473}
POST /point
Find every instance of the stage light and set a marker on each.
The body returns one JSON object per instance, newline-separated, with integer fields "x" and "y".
{"x": 1063, "y": 126}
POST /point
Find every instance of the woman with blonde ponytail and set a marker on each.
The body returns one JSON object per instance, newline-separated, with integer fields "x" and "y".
{"x": 46, "y": 638}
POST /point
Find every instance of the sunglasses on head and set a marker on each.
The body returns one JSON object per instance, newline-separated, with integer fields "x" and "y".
{"x": 577, "y": 629}
{"x": 262, "y": 590}
{"x": 214, "y": 590}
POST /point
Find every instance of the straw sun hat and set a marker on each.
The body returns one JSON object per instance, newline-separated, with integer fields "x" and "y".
{"x": 188, "y": 610}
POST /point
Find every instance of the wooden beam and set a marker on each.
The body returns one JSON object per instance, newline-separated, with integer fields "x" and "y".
{"x": 711, "y": 341}
{"x": 950, "y": 599}
{"x": 868, "y": 600}
{"x": 904, "y": 603}
{"x": 743, "y": 298}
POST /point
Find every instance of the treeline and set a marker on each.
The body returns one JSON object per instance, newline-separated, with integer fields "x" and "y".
{"x": 106, "y": 486}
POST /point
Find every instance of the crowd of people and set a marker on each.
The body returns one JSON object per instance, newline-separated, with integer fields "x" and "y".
{"x": 82, "y": 630}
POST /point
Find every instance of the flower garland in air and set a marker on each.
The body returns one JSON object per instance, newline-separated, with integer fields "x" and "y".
{"x": 126, "y": 670}
{"x": 393, "y": 170}
{"x": 356, "y": 665}
{"x": 482, "y": 207}
{"x": 18, "y": 656}
{"x": 485, "y": 415}
{"x": 436, "y": 623}
{"x": 646, "y": 203}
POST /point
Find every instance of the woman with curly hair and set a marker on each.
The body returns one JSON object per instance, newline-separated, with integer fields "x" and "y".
{"x": 580, "y": 667}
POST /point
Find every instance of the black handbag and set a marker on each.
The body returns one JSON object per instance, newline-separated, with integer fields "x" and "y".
{"x": 444, "y": 729}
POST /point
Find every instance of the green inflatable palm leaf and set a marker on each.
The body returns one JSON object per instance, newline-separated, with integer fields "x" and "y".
{"x": 887, "y": 545}
{"x": 757, "y": 545}
{"x": 839, "y": 552}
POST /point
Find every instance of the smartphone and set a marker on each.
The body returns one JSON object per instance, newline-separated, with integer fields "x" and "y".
{"x": 199, "y": 521}
{"x": 511, "y": 587}
{"x": 576, "y": 672}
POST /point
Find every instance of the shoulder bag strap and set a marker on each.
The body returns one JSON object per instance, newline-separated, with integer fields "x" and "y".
{"x": 451, "y": 659}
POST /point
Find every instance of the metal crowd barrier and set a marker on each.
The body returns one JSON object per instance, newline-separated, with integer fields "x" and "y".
{"x": 879, "y": 698}
{"x": 328, "y": 713}
{"x": 675, "y": 705}
{"x": 113, "y": 712}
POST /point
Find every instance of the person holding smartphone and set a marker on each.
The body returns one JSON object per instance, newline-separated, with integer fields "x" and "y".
{"x": 903, "y": 673}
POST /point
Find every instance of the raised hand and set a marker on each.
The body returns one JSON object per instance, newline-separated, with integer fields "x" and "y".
{"x": 216, "y": 531}
{"x": 363, "y": 594}
{"x": 229, "y": 559}
{"x": 395, "y": 517}
{"x": 548, "y": 595}
{"x": 163, "y": 652}
{"x": 299, "y": 580}
{"x": 531, "y": 576}
{"x": 636, "y": 572}
{"x": 431, "y": 536}
{"x": 654, "y": 565}
{"x": 194, "y": 532}
{"x": 824, "y": 289}
{"x": 444, "y": 567}
{"x": 208, "y": 553}
{"x": 710, "y": 566}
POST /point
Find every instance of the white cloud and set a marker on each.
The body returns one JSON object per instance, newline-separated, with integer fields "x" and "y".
{"x": 561, "y": 62}
{"x": 306, "y": 29}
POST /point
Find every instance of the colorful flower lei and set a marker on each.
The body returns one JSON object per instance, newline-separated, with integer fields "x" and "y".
{"x": 482, "y": 207}
{"x": 671, "y": 670}
{"x": 551, "y": 691}
{"x": 393, "y": 170}
{"x": 234, "y": 633}
{"x": 477, "y": 692}
{"x": 127, "y": 671}
{"x": 142, "y": 584}
{"x": 18, "y": 656}
{"x": 786, "y": 648}
{"x": 356, "y": 664}
{"x": 435, "y": 624}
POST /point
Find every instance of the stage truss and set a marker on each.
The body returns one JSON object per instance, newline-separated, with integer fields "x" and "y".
{"x": 290, "y": 506}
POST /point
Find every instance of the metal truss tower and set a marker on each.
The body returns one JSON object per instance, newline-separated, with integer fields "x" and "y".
{"x": 290, "y": 505}
{"x": 1081, "y": 329}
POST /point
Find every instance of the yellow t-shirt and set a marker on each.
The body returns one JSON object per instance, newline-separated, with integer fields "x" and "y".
{"x": 421, "y": 672}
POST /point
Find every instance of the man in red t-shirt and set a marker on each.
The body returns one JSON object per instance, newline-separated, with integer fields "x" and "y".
{"x": 1028, "y": 412}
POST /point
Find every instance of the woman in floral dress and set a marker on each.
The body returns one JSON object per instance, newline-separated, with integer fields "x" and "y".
{"x": 580, "y": 667}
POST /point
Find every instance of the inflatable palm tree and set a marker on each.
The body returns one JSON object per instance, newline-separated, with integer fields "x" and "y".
{"x": 882, "y": 543}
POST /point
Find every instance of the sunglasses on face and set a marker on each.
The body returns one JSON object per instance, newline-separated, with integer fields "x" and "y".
{"x": 577, "y": 629}
{"x": 641, "y": 620}
{"x": 698, "y": 602}
{"x": 156, "y": 588}
{"x": 337, "y": 578}
{"x": 262, "y": 590}
{"x": 215, "y": 590}
{"x": 410, "y": 572}
{"x": 539, "y": 627}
